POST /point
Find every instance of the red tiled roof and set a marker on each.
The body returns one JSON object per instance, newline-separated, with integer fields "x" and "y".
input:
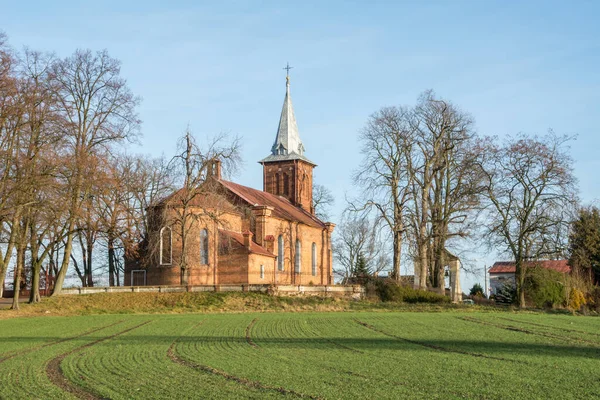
{"x": 254, "y": 247}
{"x": 282, "y": 208}
{"x": 204, "y": 196}
{"x": 505, "y": 267}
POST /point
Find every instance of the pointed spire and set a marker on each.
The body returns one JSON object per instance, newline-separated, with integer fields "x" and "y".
{"x": 287, "y": 145}
{"x": 287, "y": 140}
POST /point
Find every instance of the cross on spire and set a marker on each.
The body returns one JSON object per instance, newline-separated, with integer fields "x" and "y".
{"x": 287, "y": 69}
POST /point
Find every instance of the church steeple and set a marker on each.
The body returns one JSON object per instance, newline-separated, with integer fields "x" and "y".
{"x": 287, "y": 172}
{"x": 287, "y": 145}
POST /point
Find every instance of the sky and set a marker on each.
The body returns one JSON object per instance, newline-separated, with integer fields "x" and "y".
{"x": 515, "y": 66}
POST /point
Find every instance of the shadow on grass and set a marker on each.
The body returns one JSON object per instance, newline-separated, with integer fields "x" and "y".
{"x": 514, "y": 350}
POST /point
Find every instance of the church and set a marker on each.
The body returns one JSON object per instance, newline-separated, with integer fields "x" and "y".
{"x": 239, "y": 235}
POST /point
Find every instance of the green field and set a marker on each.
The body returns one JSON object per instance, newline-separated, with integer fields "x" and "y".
{"x": 313, "y": 355}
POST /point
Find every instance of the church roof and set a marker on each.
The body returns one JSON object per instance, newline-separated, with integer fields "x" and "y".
{"x": 239, "y": 238}
{"x": 282, "y": 207}
{"x": 288, "y": 145}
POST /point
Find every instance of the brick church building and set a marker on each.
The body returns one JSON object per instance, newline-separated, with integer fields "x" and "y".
{"x": 240, "y": 235}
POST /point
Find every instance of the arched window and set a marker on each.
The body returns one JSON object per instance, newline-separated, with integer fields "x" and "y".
{"x": 298, "y": 256}
{"x": 166, "y": 243}
{"x": 280, "y": 252}
{"x": 314, "y": 259}
{"x": 286, "y": 184}
{"x": 204, "y": 247}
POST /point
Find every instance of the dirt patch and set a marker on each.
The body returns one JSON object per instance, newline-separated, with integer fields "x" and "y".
{"x": 57, "y": 377}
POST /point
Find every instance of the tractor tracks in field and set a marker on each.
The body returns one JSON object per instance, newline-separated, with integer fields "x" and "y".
{"x": 527, "y": 331}
{"x": 436, "y": 347}
{"x": 56, "y": 375}
{"x": 550, "y": 327}
{"x": 55, "y": 342}
{"x": 248, "y": 331}
{"x": 173, "y": 356}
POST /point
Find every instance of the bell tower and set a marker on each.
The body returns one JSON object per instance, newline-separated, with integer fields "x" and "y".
{"x": 286, "y": 171}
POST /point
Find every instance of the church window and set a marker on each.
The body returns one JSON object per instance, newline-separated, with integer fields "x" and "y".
{"x": 262, "y": 272}
{"x": 277, "y": 183}
{"x": 166, "y": 242}
{"x": 280, "y": 253}
{"x": 204, "y": 247}
{"x": 314, "y": 259}
{"x": 298, "y": 256}
{"x": 286, "y": 184}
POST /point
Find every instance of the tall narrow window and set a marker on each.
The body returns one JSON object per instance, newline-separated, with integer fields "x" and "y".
{"x": 286, "y": 184}
{"x": 280, "y": 252}
{"x": 277, "y": 183}
{"x": 298, "y": 256}
{"x": 314, "y": 259}
{"x": 166, "y": 246}
{"x": 262, "y": 272}
{"x": 204, "y": 247}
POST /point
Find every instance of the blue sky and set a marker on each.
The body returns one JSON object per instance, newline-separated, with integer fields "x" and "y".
{"x": 516, "y": 66}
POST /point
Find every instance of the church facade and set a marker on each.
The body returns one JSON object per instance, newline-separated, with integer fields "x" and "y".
{"x": 240, "y": 235}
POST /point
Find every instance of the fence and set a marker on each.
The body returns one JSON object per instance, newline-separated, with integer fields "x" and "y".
{"x": 354, "y": 291}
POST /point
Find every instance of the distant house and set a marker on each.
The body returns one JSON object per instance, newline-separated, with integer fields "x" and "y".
{"x": 504, "y": 271}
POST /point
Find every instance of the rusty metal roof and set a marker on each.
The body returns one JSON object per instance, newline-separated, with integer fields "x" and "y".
{"x": 505, "y": 267}
{"x": 282, "y": 207}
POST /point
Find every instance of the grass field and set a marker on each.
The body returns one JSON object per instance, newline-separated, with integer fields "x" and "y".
{"x": 313, "y": 355}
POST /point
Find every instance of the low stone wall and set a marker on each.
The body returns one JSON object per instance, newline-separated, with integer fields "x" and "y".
{"x": 353, "y": 291}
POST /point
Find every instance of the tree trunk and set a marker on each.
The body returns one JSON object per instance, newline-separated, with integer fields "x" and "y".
{"x": 36, "y": 267}
{"x": 2, "y": 280}
{"x": 88, "y": 267}
{"x": 422, "y": 241}
{"x": 183, "y": 257}
{"x": 17, "y": 278}
{"x": 8, "y": 255}
{"x": 397, "y": 255}
{"x": 423, "y": 264}
{"x": 439, "y": 264}
{"x": 34, "y": 295}
{"x": 111, "y": 261}
{"x": 62, "y": 272}
{"x": 520, "y": 278}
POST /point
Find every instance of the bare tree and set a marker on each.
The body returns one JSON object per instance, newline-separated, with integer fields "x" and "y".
{"x": 98, "y": 111}
{"x": 447, "y": 182}
{"x": 528, "y": 181}
{"x": 387, "y": 144}
{"x": 11, "y": 119}
{"x": 322, "y": 200}
{"x": 197, "y": 164}
{"x": 357, "y": 237}
{"x": 42, "y": 145}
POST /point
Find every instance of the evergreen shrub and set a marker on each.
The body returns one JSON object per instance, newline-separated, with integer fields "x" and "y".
{"x": 545, "y": 287}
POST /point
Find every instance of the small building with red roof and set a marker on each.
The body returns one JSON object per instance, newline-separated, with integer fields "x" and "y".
{"x": 503, "y": 272}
